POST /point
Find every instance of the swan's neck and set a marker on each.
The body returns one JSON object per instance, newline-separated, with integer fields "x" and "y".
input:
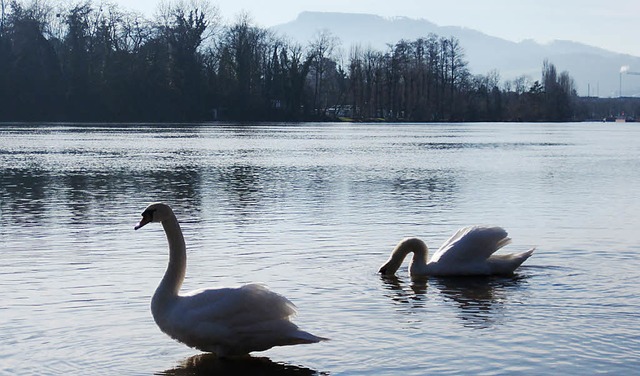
{"x": 418, "y": 263}
{"x": 174, "y": 275}
{"x": 406, "y": 246}
{"x": 419, "y": 257}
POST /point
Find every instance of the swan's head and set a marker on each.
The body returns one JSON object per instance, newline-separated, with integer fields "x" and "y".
{"x": 401, "y": 251}
{"x": 156, "y": 212}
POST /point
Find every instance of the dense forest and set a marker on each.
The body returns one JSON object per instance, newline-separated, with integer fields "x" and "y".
{"x": 98, "y": 62}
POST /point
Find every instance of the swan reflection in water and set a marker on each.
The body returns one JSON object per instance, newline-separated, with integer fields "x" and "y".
{"x": 210, "y": 364}
{"x": 479, "y": 300}
{"x": 414, "y": 298}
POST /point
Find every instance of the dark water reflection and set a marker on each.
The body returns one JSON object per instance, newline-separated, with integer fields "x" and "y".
{"x": 245, "y": 187}
{"x": 478, "y": 300}
{"x": 83, "y": 166}
{"x": 209, "y": 364}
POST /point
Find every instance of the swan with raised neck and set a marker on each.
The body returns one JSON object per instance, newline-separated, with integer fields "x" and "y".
{"x": 225, "y": 321}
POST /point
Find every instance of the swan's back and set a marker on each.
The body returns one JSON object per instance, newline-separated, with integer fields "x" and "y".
{"x": 470, "y": 251}
{"x": 236, "y": 304}
{"x": 232, "y": 321}
{"x": 473, "y": 243}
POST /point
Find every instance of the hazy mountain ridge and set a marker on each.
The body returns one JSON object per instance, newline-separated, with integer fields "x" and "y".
{"x": 596, "y": 70}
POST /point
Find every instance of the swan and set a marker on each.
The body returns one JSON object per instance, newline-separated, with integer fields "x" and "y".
{"x": 470, "y": 251}
{"x": 224, "y": 321}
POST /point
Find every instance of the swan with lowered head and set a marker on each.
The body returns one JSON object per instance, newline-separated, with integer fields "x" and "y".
{"x": 470, "y": 251}
{"x": 225, "y": 321}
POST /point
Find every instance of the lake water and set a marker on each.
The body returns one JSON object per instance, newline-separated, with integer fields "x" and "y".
{"x": 312, "y": 211}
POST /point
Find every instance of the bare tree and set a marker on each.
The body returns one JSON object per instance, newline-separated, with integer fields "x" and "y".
{"x": 322, "y": 49}
{"x": 134, "y": 31}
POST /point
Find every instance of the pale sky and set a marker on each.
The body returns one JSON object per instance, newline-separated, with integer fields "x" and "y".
{"x": 610, "y": 24}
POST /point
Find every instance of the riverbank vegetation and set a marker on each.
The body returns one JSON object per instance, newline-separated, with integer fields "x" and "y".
{"x": 97, "y": 62}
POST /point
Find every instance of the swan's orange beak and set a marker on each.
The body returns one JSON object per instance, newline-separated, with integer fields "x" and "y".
{"x": 146, "y": 218}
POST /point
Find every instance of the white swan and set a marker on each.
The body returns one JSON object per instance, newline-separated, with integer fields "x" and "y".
{"x": 468, "y": 252}
{"x": 225, "y": 321}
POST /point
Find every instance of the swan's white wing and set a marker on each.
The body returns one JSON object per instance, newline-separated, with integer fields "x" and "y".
{"x": 249, "y": 303}
{"x": 471, "y": 244}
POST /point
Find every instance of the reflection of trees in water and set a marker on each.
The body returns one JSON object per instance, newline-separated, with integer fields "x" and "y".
{"x": 79, "y": 180}
{"x": 210, "y": 364}
{"x": 429, "y": 187}
{"x": 24, "y": 191}
{"x": 479, "y": 300}
{"x": 252, "y": 186}
{"x": 244, "y": 182}
{"x": 426, "y": 181}
{"x": 29, "y": 193}
{"x": 412, "y": 188}
{"x": 180, "y": 184}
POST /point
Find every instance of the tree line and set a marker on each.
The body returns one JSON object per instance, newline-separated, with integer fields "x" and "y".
{"x": 98, "y": 62}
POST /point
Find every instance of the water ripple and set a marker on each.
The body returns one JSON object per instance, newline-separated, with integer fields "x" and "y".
{"x": 312, "y": 211}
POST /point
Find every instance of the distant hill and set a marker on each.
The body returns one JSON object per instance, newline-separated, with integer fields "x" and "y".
{"x": 596, "y": 71}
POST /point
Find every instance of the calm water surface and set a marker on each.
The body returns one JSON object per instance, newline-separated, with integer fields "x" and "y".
{"x": 312, "y": 210}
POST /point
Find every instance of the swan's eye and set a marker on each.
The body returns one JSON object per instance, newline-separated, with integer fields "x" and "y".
{"x": 147, "y": 217}
{"x": 148, "y": 214}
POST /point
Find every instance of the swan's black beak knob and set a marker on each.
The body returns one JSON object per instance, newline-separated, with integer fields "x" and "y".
{"x": 146, "y": 218}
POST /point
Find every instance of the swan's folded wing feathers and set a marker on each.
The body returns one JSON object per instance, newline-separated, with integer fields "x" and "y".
{"x": 238, "y": 320}
{"x": 256, "y": 303}
{"x": 237, "y": 305}
{"x": 474, "y": 243}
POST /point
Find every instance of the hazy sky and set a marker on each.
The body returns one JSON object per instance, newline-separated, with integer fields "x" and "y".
{"x": 610, "y": 24}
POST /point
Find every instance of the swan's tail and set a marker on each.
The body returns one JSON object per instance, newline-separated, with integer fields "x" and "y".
{"x": 507, "y": 264}
{"x": 526, "y": 255}
{"x": 305, "y": 337}
{"x": 519, "y": 258}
